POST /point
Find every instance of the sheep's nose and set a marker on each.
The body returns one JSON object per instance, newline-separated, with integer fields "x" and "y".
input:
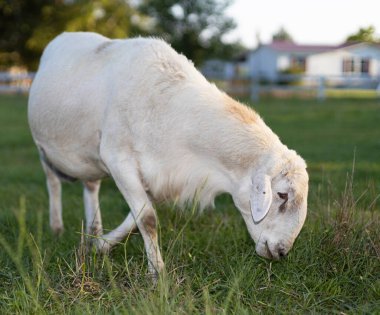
{"x": 281, "y": 253}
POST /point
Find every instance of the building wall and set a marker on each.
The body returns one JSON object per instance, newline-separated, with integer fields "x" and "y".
{"x": 373, "y": 54}
{"x": 331, "y": 63}
{"x": 263, "y": 63}
{"x": 374, "y": 67}
{"x": 365, "y": 51}
{"x": 268, "y": 63}
{"x": 283, "y": 62}
{"x": 327, "y": 64}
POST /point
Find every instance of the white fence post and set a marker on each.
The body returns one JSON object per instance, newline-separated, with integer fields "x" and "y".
{"x": 255, "y": 90}
{"x": 321, "y": 92}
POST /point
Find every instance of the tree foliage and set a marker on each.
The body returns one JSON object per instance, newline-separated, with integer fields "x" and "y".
{"x": 18, "y": 18}
{"x": 282, "y": 35}
{"x": 28, "y": 25}
{"x": 365, "y": 34}
{"x": 193, "y": 27}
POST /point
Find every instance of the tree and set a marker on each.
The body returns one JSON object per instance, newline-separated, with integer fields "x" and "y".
{"x": 28, "y": 25}
{"x": 282, "y": 35}
{"x": 193, "y": 27}
{"x": 364, "y": 35}
{"x": 18, "y": 18}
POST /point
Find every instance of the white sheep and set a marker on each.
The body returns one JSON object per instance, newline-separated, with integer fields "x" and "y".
{"x": 139, "y": 112}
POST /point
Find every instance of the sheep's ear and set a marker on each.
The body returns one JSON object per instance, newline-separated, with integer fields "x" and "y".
{"x": 261, "y": 196}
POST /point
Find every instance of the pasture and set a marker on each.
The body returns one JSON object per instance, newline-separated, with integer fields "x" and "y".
{"x": 211, "y": 265}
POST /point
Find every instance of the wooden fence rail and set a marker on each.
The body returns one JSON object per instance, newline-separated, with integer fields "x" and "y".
{"x": 285, "y": 86}
{"x": 301, "y": 86}
{"x": 15, "y": 83}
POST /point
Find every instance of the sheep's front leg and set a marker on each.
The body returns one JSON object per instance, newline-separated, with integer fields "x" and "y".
{"x": 92, "y": 208}
{"x": 125, "y": 173}
{"x": 117, "y": 235}
{"x": 54, "y": 187}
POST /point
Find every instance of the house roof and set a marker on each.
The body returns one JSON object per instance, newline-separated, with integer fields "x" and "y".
{"x": 347, "y": 46}
{"x": 291, "y": 47}
{"x": 350, "y": 44}
{"x": 288, "y": 46}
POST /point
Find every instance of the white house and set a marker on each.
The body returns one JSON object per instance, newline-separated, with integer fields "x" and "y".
{"x": 352, "y": 60}
{"x": 349, "y": 64}
{"x": 269, "y": 61}
{"x": 218, "y": 69}
{"x": 226, "y": 70}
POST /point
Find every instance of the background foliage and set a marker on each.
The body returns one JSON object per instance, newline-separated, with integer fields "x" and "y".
{"x": 364, "y": 34}
{"x": 195, "y": 28}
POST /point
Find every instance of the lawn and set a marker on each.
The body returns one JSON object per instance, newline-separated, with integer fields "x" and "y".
{"x": 211, "y": 265}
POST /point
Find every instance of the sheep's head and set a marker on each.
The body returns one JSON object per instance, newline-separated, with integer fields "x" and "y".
{"x": 273, "y": 203}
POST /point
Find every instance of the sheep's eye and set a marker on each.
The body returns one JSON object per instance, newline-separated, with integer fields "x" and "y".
{"x": 283, "y": 196}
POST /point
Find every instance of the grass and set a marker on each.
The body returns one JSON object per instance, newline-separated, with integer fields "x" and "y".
{"x": 352, "y": 93}
{"x": 211, "y": 265}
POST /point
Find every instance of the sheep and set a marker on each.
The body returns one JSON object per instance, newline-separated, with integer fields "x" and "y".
{"x": 139, "y": 112}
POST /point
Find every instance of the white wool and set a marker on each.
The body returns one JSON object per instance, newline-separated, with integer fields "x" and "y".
{"x": 184, "y": 138}
{"x": 98, "y": 106}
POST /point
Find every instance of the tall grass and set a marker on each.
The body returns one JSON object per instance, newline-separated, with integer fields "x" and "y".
{"x": 211, "y": 265}
{"x": 333, "y": 267}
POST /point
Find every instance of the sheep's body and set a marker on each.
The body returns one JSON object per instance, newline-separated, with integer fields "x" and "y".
{"x": 96, "y": 103}
{"x": 155, "y": 87}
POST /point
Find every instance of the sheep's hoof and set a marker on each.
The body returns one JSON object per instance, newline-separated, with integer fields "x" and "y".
{"x": 153, "y": 277}
{"x": 94, "y": 230}
{"x": 57, "y": 229}
{"x": 155, "y": 272}
{"x": 102, "y": 246}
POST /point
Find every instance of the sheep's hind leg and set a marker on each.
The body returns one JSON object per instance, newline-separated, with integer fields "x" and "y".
{"x": 92, "y": 209}
{"x": 54, "y": 187}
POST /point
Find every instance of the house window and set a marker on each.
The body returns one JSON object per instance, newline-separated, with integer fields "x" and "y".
{"x": 364, "y": 66}
{"x": 348, "y": 65}
{"x": 298, "y": 63}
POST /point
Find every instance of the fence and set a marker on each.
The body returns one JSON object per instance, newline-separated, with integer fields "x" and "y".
{"x": 15, "y": 83}
{"x": 285, "y": 85}
{"x": 302, "y": 86}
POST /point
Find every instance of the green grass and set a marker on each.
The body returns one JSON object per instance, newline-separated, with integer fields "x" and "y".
{"x": 211, "y": 265}
{"x": 352, "y": 93}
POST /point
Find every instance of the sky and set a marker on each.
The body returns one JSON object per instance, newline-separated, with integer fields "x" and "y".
{"x": 307, "y": 21}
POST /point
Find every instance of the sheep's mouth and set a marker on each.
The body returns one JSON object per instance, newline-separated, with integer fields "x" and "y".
{"x": 269, "y": 253}
{"x": 263, "y": 250}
